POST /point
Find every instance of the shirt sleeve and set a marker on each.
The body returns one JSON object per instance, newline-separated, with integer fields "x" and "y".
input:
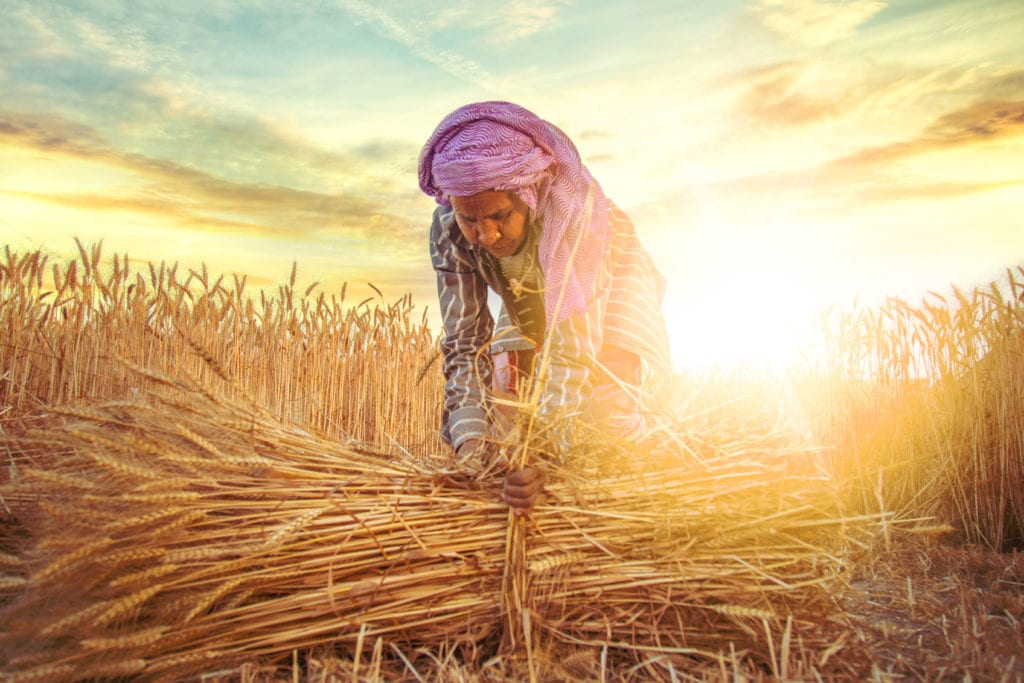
{"x": 507, "y": 337}
{"x": 467, "y": 328}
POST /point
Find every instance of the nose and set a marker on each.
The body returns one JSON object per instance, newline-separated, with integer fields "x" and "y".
{"x": 489, "y": 233}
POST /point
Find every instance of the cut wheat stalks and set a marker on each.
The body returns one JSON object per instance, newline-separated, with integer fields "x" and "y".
{"x": 198, "y": 529}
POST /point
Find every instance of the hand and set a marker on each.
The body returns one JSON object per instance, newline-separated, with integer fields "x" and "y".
{"x": 522, "y": 488}
{"x": 485, "y": 453}
{"x": 469, "y": 447}
{"x": 475, "y": 449}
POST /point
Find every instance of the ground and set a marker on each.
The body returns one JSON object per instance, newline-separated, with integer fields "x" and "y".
{"x": 939, "y": 612}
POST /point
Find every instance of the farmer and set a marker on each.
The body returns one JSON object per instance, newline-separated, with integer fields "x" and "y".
{"x": 520, "y": 214}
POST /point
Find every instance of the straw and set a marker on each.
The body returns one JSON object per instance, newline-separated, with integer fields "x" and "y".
{"x": 197, "y": 527}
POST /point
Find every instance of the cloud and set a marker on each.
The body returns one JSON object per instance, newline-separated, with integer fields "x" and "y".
{"x": 415, "y": 41}
{"x": 773, "y": 96}
{"x": 128, "y": 49}
{"x": 79, "y": 38}
{"x": 903, "y": 191}
{"x": 980, "y": 122}
{"x": 1008, "y": 85}
{"x": 199, "y": 200}
{"x": 517, "y": 18}
{"x": 847, "y": 184}
{"x": 425, "y": 28}
{"x": 814, "y": 23}
{"x": 797, "y": 92}
{"x": 257, "y": 148}
{"x": 31, "y": 35}
{"x": 174, "y": 212}
{"x": 527, "y": 17}
{"x": 50, "y": 134}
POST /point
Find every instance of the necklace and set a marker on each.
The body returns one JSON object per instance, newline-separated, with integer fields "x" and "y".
{"x": 516, "y": 269}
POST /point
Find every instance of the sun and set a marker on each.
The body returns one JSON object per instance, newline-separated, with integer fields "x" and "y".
{"x": 742, "y": 303}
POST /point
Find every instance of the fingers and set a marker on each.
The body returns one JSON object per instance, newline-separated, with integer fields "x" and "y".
{"x": 483, "y": 452}
{"x": 469, "y": 447}
{"x": 522, "y": 488}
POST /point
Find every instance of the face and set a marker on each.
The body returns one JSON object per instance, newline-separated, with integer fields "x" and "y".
{"x": 496, "y": 220}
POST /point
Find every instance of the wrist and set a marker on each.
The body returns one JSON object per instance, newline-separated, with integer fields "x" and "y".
{"x": 468, "y": 446}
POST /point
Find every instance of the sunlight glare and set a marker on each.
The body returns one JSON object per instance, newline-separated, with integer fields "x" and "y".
{"x": 748, "y": 303}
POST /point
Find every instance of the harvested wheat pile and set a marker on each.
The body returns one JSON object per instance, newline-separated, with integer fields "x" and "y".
{"x": 184, "y": 532}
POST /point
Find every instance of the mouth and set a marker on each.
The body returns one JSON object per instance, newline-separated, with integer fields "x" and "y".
{"x": 499, "y": 250}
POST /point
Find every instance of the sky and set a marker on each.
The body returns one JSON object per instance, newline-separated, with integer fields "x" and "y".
{"x": 778, "y": 157}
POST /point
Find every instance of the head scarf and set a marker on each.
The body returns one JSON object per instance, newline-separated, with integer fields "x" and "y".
{"x": 502, "y": 146}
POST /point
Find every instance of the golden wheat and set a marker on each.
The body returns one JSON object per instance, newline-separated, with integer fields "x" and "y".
{"x": 354, "y": 542}
{"x": 316, "y": 513}
{"x": 928, "y": 409}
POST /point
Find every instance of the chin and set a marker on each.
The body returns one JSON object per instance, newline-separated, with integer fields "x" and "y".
{"x": 507, "y": 250}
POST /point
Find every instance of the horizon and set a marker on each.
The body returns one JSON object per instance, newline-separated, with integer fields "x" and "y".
{"x": 778, "y": 157}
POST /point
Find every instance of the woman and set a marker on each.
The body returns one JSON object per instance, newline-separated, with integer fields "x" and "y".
{"x": 518, "y": 213}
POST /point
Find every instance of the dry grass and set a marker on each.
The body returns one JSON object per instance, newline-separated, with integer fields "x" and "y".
{"x": 189, "y": 528}
{"x": 203, "y": 481}
{"x": 312, "y": 359}
{"x": 928, "y": 414}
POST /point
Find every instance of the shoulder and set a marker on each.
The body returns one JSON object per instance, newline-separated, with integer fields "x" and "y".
{"x": 449, "y": 249}
{"x": 444, "y": 229}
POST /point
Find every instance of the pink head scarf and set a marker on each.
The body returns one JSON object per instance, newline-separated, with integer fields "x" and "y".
{"x": 502, "y": 146}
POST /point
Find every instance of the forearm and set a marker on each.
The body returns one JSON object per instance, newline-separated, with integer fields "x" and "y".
{"x": 465, "y": 412}
{"x": 467, "y": 329}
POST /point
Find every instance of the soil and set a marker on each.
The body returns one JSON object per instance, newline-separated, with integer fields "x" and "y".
{"x": 939, "y": 612}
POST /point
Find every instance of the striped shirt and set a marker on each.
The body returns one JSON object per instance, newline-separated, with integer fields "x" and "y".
{"x": 627, "y": 317}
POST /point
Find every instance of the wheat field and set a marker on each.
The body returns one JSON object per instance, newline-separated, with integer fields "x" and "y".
{"x": 206, "y": 481}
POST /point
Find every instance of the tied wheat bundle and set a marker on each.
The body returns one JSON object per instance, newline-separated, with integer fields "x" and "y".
{"x": 185, "y": 531}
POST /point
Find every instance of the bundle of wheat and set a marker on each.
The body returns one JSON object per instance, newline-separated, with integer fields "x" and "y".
{"x": 186, "y": 531}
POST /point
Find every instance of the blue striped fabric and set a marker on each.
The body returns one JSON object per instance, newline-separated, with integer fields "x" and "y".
{"x": 623, "y": 310}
